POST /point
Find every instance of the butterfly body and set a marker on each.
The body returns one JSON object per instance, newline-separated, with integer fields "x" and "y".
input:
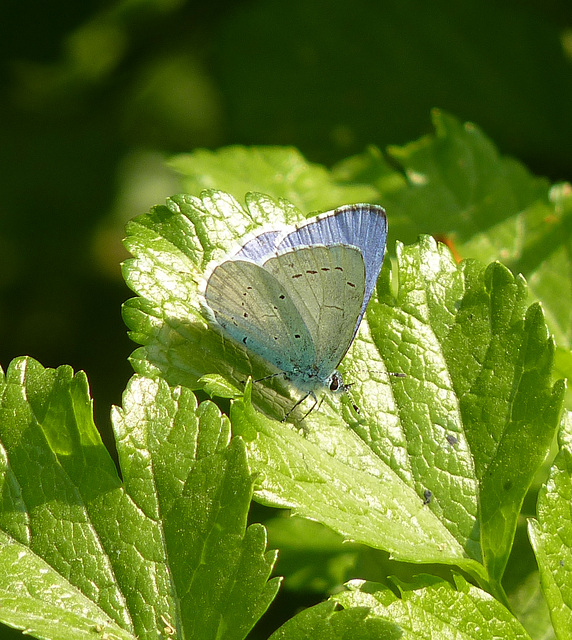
{"x": 296, "y": 296}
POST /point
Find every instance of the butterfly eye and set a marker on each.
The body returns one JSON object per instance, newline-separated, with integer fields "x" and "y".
{"x": 335, "y": 382}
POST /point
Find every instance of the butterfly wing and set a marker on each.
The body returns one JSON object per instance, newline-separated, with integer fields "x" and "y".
{"x": 260, "y": 247}
{"x": 297, "y": 297}
{"x": 257, "y": 311}
{"x": 326, "y": 284}
{"x": 363, "y": 226}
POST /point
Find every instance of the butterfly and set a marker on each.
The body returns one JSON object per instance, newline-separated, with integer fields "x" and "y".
{"x": 296, "y": 296}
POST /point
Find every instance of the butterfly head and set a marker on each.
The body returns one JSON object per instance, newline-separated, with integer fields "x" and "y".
{"x": 313, "y": 384}
{"x": 313, "y": 381}
{"x": 335, "y": 383}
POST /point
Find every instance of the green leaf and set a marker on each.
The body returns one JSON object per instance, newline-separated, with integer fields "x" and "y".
{"x": 324, "y": 622}
{"x": 455, "y": 185}
{"x": 84, "y": 555}
{"x": 551, "y": 534}
{"x": 281, "y": 172}
{"x": 49, "y": 542}
{"x": 216, "y": 385}
{"x": 491, "y": 208}
{"x": 432, "y": 608}
{"x": 478, "y": 365}
{"x": 368, "y": 504}
{"x": 432, "y": 467}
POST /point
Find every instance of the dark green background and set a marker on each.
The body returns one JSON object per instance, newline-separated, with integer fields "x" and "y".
{"x": 94, "y": 95}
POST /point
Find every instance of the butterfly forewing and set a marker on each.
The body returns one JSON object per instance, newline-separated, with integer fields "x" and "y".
{"x": 259, "y": 248}
{"x": 326, "y": 284}
{"x": 257, "y": 311}
{"x": 360, "y": 225}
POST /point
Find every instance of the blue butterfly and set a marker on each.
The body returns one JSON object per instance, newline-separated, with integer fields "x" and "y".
{"x": 296, "y": 296}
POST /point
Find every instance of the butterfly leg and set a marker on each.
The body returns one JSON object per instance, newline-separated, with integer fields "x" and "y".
{"x": 272, "y": 375}
{"x": 310, "y": 393}
{"x": 314, "y": 405}
{"x": 299, "y": 403}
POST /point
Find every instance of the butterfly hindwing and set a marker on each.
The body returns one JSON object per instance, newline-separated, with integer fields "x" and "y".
{"x": 257, "y": 311}
{"x": 326, "y": 284}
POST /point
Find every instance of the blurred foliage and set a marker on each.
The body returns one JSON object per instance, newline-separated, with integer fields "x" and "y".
{"x": 95, "y": 95}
